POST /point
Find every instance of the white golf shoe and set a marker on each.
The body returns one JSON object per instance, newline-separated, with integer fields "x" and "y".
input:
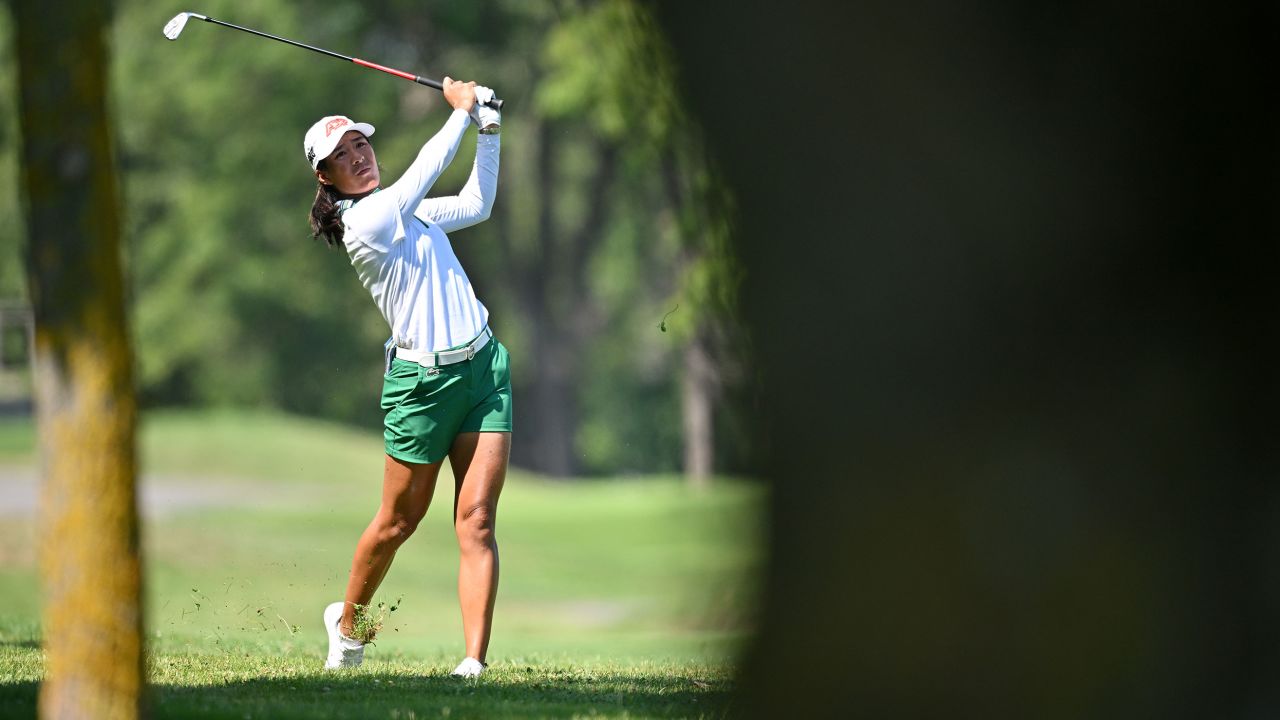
{"x": 469, "y": 668}
{"x": 343, "y": 651}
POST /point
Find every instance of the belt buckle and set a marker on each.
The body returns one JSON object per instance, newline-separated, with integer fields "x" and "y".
{"x": 471, "y": 351}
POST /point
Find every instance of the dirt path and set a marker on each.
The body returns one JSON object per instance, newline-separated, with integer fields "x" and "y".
{"x": 161, "y": 494}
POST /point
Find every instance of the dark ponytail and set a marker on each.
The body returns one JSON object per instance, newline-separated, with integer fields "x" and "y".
{"x": 324, "y": 215}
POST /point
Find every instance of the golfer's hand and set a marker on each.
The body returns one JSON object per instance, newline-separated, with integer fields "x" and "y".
{"x": 459, "y": 95}
{"x": 486, "y": 118}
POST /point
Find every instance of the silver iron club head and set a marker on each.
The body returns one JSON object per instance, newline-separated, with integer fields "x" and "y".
{"x": 174, "y": 27}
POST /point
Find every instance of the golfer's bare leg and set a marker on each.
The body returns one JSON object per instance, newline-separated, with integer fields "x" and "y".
{"x": 406, "y": 493}
{"x": 479, "y": 462}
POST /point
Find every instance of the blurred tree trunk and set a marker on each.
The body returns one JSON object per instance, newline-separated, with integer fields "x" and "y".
{"x": 695, "y": 207}
{"x": 556, "y": 293}
{"x": 85, "y": 406}
{"x": 551, "y": 416}
{"x": 697, "y": 402}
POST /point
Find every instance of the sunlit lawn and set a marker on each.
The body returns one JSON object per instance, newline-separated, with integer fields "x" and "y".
{"x": 618, "y": 597}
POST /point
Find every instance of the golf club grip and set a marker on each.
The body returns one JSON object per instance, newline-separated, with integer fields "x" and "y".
{"x": 495, "y": 103}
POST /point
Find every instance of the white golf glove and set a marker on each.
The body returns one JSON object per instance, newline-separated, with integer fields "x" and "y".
{"x": 486, "y": 118}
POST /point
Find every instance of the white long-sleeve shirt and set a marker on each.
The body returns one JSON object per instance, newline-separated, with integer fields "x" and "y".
{"x": 397, "y": 244}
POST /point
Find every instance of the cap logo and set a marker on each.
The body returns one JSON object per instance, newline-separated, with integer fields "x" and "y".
{"x": 334, "y": 124}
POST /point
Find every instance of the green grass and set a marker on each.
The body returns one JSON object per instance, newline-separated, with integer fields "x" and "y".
{"x": 238, "y": 686}
{"x": 17, "y": 440}
{"x": 623, "y": 598}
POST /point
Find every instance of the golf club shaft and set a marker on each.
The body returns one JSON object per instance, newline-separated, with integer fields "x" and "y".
{"x": 495, "y": 103}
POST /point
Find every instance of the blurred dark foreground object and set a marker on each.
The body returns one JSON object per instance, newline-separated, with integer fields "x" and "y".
{"x": 1012, "y": 285}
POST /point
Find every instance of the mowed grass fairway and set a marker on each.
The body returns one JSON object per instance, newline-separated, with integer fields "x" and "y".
{"x": 619, "y": 598}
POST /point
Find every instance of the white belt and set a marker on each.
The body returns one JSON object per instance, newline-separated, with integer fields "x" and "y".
{"x": 448, "y": 357}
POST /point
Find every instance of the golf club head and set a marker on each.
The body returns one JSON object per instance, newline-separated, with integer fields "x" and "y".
{"x": 173, "y": 28}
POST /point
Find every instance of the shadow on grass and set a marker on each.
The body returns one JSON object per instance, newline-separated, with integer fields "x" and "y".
{"x": 18, "y": 699}
{"x": 415, "y": 696}
{"x": 25, "y": 644}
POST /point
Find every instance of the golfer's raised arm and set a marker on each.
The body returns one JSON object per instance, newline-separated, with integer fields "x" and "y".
{"x": 473, "y": 203}
{"x": 438, "y": 152}
{"x": 434, "y": 157}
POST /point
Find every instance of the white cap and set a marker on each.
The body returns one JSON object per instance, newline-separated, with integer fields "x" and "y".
{"x": 325, "y": 135}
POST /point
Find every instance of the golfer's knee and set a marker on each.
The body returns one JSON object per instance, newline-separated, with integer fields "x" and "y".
{"x": 475, "y": 526}
{"x": 397, "y": 528}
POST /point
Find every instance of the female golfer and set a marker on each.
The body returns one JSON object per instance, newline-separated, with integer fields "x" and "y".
{"x": 447, "y": 388}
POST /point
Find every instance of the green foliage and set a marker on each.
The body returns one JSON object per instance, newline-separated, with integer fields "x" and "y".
{"x": 609, "y": 64}
{"x": 667, "y": 245}
{"x": 12, "y": 281}
{"x": 233, "y": 304}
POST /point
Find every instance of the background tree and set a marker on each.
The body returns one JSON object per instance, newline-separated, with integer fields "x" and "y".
{"x": 90, "y": 565}
{"x": 655, "y": 198}
{"x": 12, "y": 282}
{"x": 602, "y": 226}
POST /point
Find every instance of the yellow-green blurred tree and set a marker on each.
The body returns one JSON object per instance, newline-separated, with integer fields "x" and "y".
{"x": 89, "y": 552}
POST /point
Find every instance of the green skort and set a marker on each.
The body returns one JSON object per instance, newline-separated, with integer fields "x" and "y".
{"x": 428, "y": 406}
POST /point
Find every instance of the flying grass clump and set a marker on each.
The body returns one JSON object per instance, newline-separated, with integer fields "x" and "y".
{"x": 369, "y": 622}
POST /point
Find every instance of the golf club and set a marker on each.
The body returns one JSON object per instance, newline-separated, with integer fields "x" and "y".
{"x": 174, "y": 28}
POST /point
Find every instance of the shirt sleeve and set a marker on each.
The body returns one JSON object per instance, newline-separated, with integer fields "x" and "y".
{"x": 378, "y": 219}
{"x": 474, "y": 202}
{"x": 434, "y": 157}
